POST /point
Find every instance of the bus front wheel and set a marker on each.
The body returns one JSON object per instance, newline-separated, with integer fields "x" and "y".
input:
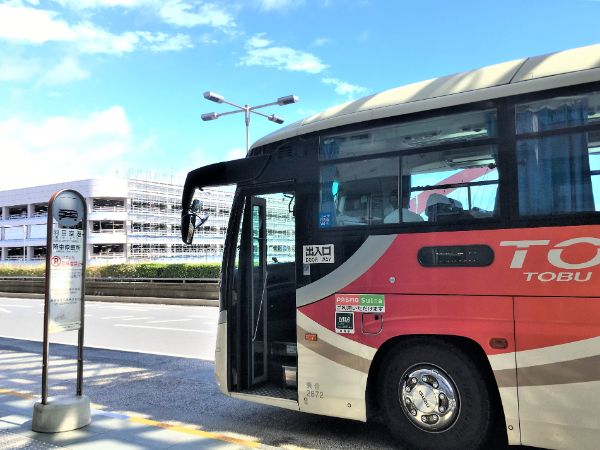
{"x": 433, "y": 396}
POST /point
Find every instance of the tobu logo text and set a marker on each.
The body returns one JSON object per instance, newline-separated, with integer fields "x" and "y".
{"x": 555, "y": 258}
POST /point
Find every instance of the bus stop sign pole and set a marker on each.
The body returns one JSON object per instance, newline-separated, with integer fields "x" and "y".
{"x": 64, "y": 307}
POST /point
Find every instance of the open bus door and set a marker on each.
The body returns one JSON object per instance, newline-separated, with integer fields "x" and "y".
{"x": 257, "y": 286}
{"x": 258, "y": 332}
{"x": 263, "y": 330}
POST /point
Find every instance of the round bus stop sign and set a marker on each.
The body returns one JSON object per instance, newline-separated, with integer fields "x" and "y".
{"x": 64, "y": 307}
{"x": 68, "y": 209}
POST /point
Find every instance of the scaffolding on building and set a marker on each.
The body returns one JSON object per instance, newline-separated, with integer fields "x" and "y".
{"x": 141, "y": 222}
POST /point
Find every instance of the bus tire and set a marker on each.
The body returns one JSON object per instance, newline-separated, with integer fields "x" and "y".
{"x": 434, "y": 396}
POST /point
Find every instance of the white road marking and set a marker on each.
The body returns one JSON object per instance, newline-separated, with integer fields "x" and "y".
{"x": 139, "y": 318}
{"x": 170, "y": 320}
{"x": 163, "y": 328}
{"x": 115, "y": 317}
{"x": 144, "y": 307}
{"x": 5, "y": 310}
{"x": 18, "y": 306}
{"x": 114, "y": 306}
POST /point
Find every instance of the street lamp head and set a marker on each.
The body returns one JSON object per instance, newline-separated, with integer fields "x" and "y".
{"x": 214, "y": 97}
{"x": 274, "y": 118}
{"x": 287, "y": 100}
{"x": 210, "y": 116}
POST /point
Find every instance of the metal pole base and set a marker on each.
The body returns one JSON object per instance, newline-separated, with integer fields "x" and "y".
{"x": 62, "y": 413}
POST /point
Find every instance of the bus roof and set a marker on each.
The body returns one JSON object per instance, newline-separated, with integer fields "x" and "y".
{"x": 554, "y": 70}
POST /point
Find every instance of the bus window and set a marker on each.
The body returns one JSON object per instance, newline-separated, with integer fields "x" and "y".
{"x": 281, "y": 234}
{"x": 409, "y": 135}
{"x": 359, "y": 192}
{"x": 595, "y": 168}
{"x": 453, "y": 185}
{"x": 558, "y": 113}
{"x": 558, "y": 173}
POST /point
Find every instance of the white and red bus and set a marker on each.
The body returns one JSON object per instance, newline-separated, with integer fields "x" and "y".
{"x": 429, "y": 255}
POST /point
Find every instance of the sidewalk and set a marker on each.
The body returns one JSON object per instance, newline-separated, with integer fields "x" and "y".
{"x": 20, "y": 374}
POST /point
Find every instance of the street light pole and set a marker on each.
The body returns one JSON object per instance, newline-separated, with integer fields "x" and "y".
{"x": 247, "y": 110}
{"x": 247, "y": 116}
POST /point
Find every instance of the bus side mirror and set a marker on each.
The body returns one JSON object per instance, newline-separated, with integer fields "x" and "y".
{"x": 188, "y": 225}
{"x": 196, "y": 206}
{"x": 189, "y": 221}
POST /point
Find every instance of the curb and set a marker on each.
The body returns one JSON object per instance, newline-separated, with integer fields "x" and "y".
{"x": 112, "y": 299}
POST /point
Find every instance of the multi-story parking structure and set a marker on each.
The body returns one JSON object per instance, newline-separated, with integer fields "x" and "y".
{"x": 131, "y": 219}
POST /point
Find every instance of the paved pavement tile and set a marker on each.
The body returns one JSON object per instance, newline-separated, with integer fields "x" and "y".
{"x": 20, "y": 383}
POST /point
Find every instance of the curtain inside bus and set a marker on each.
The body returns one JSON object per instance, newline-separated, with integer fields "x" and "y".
{"x": 329, "y": 150}
{"x": 554, "y": 171}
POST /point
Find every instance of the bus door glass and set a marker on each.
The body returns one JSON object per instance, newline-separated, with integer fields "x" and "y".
{"x": 269, "y": 300}
{"x": 258, "y": 280}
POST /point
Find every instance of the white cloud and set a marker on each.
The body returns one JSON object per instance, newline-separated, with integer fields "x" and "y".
{"x": 320, "y": 42}
{"x": 344, "y": 88}
{"x": 95, "y": 4}
{"x": 66, "y": 71}
{"x": 32, "y": 25}
{"x": 258, "y": 41}
{"x": 37, "y": 26}
{"x": 207, "y": 38}
{"x": 18, "y": 69}
{"x": 186, "y": 14}
{"x": 96, "y": 40}
{"x": 181, "y": 13}
{"x": 162, "y": 42}
{"x": 92, "y": 39}
{"x": 271, "y": 5}
{"x": 64, "y": 148}
{"x": 259, "y": 53}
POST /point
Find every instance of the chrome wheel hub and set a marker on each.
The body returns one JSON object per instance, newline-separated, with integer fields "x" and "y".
{"x": 429, "y": 398}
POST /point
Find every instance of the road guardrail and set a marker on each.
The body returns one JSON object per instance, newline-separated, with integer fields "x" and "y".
{"x": 174, "y": 288}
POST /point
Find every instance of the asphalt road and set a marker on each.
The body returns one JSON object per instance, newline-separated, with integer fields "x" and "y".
{"x": 184, "y": 331}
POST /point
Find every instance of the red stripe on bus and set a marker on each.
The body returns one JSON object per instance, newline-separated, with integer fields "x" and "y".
{"x": 551, "y": 274}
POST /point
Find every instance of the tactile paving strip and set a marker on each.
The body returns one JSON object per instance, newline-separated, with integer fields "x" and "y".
{"x": 11, "y": 441}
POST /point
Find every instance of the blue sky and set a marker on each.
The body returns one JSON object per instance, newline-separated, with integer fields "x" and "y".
{"x": 92, "y": 88}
